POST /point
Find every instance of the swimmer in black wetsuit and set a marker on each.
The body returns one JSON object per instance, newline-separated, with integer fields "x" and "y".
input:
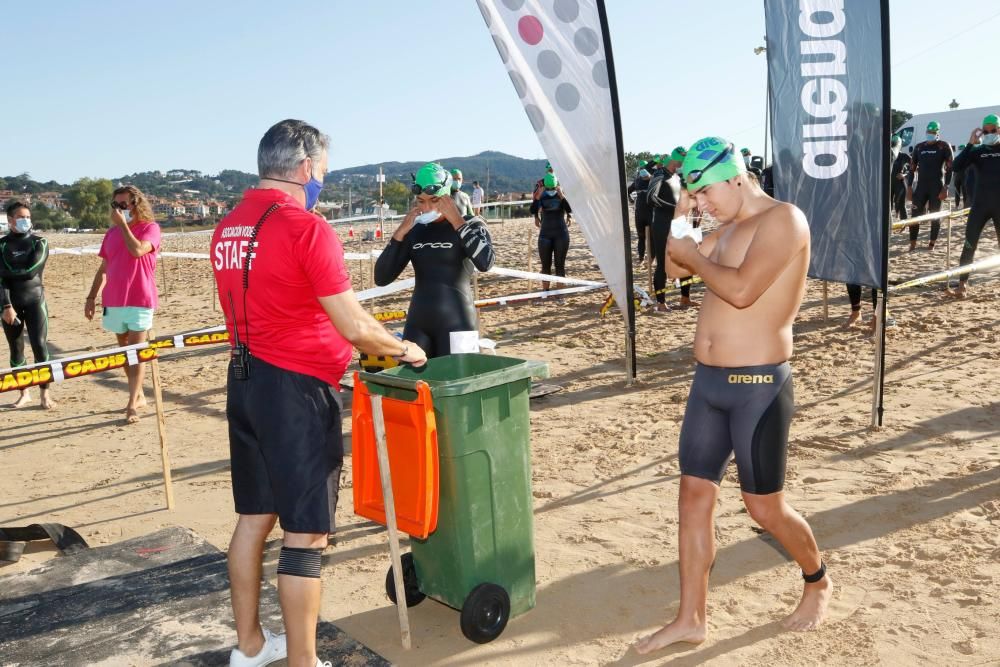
{"x": 663, "y": 195}
{"x": 982, "y": 153}
{"x": 22, "y": 261}
{"x": 643, "y": 213}
{"x": 552, "y": 212}
{"x": 931, "y": 166}
{"x": 445, "y": 249}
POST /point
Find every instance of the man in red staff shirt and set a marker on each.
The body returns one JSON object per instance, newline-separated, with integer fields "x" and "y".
{"x": 293, "y": 321}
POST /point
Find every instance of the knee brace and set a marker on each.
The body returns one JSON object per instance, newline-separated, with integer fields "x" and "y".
{"x": 300, "y": 562}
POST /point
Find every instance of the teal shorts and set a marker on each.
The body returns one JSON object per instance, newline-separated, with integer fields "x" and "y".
{"x": 127, "y": 318}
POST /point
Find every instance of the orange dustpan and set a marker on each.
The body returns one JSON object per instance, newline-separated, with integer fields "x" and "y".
{"x": 411, "y": 437}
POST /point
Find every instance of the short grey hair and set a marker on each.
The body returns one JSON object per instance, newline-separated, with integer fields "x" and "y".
{"x": 286, "y": 145}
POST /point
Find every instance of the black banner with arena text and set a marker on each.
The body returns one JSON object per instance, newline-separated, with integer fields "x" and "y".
{"x": 829, "y": 102}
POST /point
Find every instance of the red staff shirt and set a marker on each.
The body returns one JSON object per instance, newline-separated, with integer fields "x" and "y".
{"x": 297, "y": 258}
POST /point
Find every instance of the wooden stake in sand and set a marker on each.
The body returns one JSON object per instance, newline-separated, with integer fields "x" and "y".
{"x": 390, "y": 517}
{"x": 161, "y": 426}
{"x": 531, "y": 237}
{"x": 826, "y": 301}
{"x": 947, "y": 254}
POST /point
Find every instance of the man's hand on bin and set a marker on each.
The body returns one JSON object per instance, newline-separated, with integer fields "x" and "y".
{"x": 412, "y": 354}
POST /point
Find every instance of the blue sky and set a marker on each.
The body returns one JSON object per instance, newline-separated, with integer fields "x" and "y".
{"x": 112, "y": 87}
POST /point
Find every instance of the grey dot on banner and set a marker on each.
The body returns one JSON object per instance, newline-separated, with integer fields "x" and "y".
{"x": 549, "y": 64}
{"x": 567, "y": 96}
{"x": 535, "y": 116}
{"x": 567, "y": 10}
{"x": 502, "y": 48}
{"x": 518, "y": 82}
{"x": 586, "y": 42}
{"x": 601, "y": 74}
{"x": 513, "y": 5}
{"x": 487, "y": 16}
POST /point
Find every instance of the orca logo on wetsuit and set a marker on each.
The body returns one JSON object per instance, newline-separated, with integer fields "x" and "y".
{"x": 433, "y": 246}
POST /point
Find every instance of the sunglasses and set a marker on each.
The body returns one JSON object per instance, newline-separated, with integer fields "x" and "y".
{"x": 121, "y": 206}
{"x": 694, "y": 176}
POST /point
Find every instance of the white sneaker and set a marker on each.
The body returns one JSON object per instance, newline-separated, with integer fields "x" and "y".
{"x": 275, "y": 648}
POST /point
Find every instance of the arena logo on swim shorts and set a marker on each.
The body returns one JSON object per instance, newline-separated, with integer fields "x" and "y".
{"x": 22, "y": 379}
{"x": 737, "y": 378}
{"x": 824, "y": 97}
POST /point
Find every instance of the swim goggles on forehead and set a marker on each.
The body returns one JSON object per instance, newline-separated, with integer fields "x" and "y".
{"x": 695, "y": 175}
{"x": 431, "y": 189}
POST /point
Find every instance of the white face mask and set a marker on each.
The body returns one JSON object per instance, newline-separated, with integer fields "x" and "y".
{"x": 990, "y": 139}
{"x": 427, "y": 218}
{"x": 127, "y": 215}
{"x": 457, "y": 185}
{"x": 22, "y": 225}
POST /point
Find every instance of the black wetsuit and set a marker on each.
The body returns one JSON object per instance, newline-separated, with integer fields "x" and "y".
{"x": 986, "y": 200}
{"x": 970, "y": 186}
{"x": 22, "y": 262}
{"x": 643, "y": 213}
{"x": 663, "y": 195}
{"x": 553, "y": 235}
{"x": 900, "y": 167}
{"x": 931, "y": 163}
{"x": 443, "y": 260}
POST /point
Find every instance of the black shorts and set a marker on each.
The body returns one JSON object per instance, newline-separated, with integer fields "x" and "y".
{"x": 284, "y": 440}
{"x": 743, "y": 411}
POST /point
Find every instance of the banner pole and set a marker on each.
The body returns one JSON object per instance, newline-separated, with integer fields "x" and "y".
{"x": 649, "y": 258}
{"x": 630, "y": 353}
{"x": 826, "y": 301}
{"x": 886, "y": 207}
{"x": 878, "y": 375}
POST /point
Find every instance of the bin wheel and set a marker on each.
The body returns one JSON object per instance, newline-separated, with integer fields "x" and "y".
{"x": 410, "y": 587}
{"x": 485, "y": 613}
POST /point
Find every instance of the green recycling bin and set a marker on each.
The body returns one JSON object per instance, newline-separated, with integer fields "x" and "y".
{"x": 481, "y": 558}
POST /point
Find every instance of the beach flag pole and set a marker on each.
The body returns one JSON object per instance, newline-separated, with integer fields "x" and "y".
{"x": 161, "y": 427}
{"x": 390, "y": 517}
{"x": 878, "y": 379}
{"x": 826, "y": 301}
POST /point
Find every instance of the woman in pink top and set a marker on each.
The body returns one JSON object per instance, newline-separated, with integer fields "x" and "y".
{"x": 129, "y": 297}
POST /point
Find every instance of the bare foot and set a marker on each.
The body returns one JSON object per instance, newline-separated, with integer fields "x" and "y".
{"x": 22, "y": 400}
{"x": 47, "y": 402}
{"x": 930, "y": 246}
{"x": 661, "y": 307}
{"x": 131, "y": 416}
{"x": 913, "y": 246}
{"x": 686, "y": 302}
{"x": 854, "y": 317}
{"x": 141, "y": 403}
{"x": 812, "y": 607}
{"x": 960, "y": 292}
{"x": 678, "y": 631}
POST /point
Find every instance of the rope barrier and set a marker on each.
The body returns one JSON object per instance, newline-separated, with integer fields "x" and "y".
{"x": 940, "y": 215}
{"x": 983, "y": 264}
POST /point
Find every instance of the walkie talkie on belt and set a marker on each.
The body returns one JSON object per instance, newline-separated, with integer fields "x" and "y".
{"x": 239, "y": 356}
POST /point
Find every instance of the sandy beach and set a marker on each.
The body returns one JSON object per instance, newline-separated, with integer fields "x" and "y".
{"x": 908, "y": 517}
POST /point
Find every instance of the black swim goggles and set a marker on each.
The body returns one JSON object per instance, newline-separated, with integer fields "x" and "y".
{"x": 433, "y": 189}
{"x": 695, "y": 175}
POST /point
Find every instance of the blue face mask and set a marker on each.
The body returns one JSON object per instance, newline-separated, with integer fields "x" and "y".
{"x": 932, "y": 137}
{"x": 313, "y": 187}
{"x": 551, "y": 193}
{"x": 22, "y": 225}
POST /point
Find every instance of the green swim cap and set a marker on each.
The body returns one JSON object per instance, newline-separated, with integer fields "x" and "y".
{"x": 962, "y": 147}
{"x": 456, "y": 173}
{"x": 678, "y": 154}
{"x": 711, "y": 160}
{"x": 432, "y": 179}
{"x": 744, "y": 151}
{"x": 991, "y": 120}
{"x": 933, "y": 126}
{"x": 895, "y": 139}
{"x": 548, "y": 166}
{"x": 655, "y": 158}
{"x": 550, "y": 180}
